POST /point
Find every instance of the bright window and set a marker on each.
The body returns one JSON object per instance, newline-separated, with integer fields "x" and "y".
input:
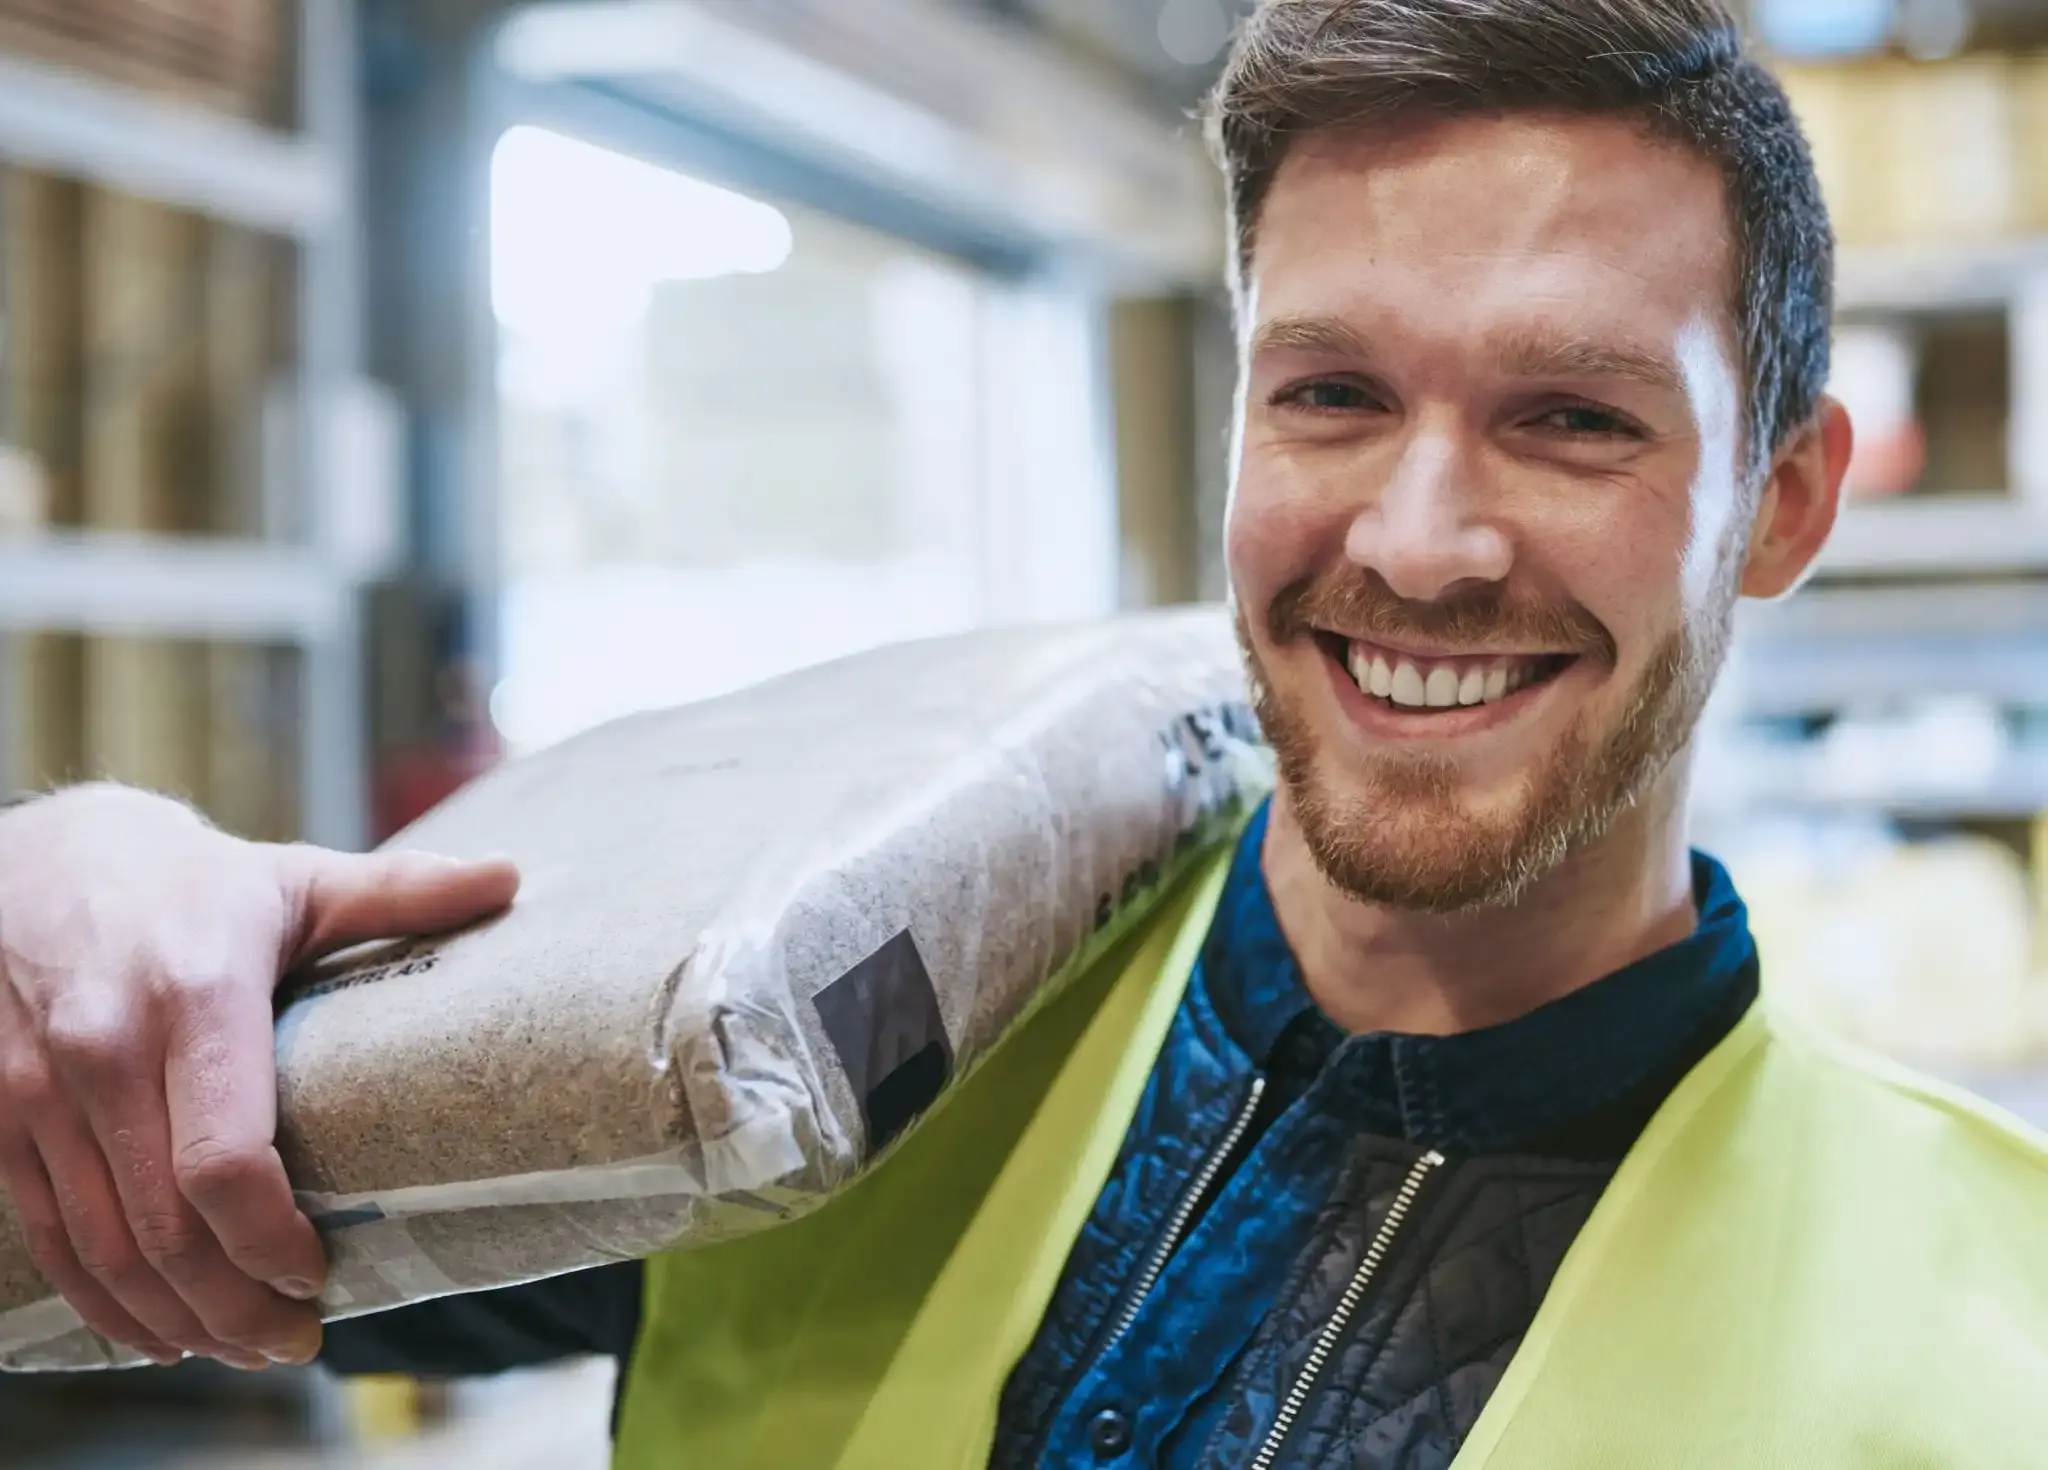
{"x": 739, "y": 437}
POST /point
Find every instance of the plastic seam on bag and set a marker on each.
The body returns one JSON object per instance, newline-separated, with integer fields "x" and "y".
{"x": 1203, "y": 807}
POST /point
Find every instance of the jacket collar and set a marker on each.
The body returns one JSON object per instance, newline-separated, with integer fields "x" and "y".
{"x": 1491, "y": 1088}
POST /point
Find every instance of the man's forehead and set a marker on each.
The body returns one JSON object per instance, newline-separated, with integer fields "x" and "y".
{"x": 1577, "y": 214}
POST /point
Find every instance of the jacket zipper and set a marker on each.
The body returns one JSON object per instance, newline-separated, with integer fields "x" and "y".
{"x": 1177, "y": 1224}
{"x": 1133, "y": 1299}
{"x": 1347, "y": 1307}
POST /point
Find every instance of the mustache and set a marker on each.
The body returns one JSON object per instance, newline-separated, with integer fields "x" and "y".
{"x": 1365, "y": 607}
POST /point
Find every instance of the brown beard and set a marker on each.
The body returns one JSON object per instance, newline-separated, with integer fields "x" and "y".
{"x": 1405, "y": 840}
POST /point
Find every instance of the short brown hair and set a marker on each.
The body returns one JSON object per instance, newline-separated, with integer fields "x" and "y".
{"x": 1680, "y": 66}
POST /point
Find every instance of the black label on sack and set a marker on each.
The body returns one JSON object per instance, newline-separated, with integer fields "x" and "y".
{"x": 392, "y": 961}
{"x": 331, "y": 1220}
{"x": 883, "y": 1018}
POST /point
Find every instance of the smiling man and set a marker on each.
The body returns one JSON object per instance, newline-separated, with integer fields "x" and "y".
{"x": 1443, "y": 1123}
{"x": 1502, "y": 471}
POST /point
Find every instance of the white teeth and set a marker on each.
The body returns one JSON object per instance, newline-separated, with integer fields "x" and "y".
{"x": 1412, "y": 685}
{"x": 1407, "y": 687}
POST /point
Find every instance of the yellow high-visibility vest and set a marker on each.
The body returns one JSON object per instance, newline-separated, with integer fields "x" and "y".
{"x": 1809, "y": 1261}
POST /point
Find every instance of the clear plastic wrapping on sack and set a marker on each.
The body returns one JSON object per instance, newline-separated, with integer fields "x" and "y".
{"x": 757, "y": 937}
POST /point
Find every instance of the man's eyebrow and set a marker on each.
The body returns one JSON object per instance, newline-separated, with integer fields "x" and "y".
{"x": 1574, "y": 357}
{"x": 1526, "y": 356}
{"x": 1320, "y": 334}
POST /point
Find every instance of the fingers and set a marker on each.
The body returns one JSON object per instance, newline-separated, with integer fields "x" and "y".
{"x": 70, "y": 1218}
{"x": 90, "y": 1218}
{"x": 221, "y": 1095}
{"x": 49, "y": 1246}
{"x": 168, "y": 1233}
{"x": 137, "y": 1089}
{"x": 344, "y": 899}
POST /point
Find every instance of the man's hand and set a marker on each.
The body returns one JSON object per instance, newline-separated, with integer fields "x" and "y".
{"x": 138, "y": 1099}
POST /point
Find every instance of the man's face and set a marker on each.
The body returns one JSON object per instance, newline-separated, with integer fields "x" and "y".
{"x": 1488, "y": 516}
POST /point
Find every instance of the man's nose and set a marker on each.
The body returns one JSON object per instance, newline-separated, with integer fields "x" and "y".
{"x": 1426, "y": 534}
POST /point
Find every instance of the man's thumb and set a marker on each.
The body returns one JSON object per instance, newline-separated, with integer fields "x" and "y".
{"x": 347, "y": 898}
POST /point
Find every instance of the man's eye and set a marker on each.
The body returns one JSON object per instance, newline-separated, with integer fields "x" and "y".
{"x": 1584, "y": 421}
{"x": 1328, "y": 395}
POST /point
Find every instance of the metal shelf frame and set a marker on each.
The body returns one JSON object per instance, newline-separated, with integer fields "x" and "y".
{"x": 1963, "y": 276}
{"x": 298, "y": 185}
{"x": 2002, "y": 276}
{"x": 1939, "y": 535}
{"x": 1831, "y": 648}
{"x": 2017, "y": 789}
{"x": 128, "y": 586}
{"x": 69, "y": 123}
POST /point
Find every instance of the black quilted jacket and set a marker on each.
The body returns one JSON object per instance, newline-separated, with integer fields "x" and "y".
{"x": 1399, "y": 1378}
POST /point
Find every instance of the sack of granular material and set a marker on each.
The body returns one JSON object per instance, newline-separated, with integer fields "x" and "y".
{"x": 756, "y": 938}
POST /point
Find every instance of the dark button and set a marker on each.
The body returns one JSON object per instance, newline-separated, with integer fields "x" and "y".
{"x": 1109, "y": 1434}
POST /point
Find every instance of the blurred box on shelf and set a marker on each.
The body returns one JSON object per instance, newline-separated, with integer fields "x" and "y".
{"x": 24, "y": 498}
{"x": 1922, "y": 950}
{"x": 1948, "y": 131}
{"x": 2037, "y": 839}
{"x": 42, "y": 346}
{"x": 1830, "y": 102}
{"x": 143, "y": 471}
{"x": 1934, "y": 758}
{"x": 222, "y": 54}
{"x": 1937, "y": 536}
{"x": 1928, "y": 151}
{"x": 1874, "y": 376}
{"x": 2026, "y": 447}
{"x": 138, "y": 344}
{"x": 2030, "y": 106}
{"x": 1966, "y": 401}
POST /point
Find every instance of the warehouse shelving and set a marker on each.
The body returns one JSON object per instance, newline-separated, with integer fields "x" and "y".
{"x": 292, "y": 184}
{"x": 114, "y": 585}
{"x": 2014, "y": 789}
{"x": 1830, "y": 648}
{"x": 1939, "y": 535}
{"x": 295, "y": 184}
{"x": 1848, "y": 648}
{"x": 1927, "y": 595}
{"x": 170, "y": 152}
{"x": 1960, "y": 276}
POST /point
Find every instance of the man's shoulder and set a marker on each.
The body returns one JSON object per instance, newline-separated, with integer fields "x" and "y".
{"x": 1866, "y": 1192}
{"x": 1934, "y": 1129}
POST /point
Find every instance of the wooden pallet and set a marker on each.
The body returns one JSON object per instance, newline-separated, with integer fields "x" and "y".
{"x": 223, "y": 54}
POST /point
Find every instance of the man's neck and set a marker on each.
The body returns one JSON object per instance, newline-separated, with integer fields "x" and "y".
{"x": 1374, "y": 968}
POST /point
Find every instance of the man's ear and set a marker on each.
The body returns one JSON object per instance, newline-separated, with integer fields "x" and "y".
{"x": 1800, "y": 500}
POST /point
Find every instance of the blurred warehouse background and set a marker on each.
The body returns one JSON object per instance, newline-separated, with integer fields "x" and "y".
{"x": 390, "y": 385}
